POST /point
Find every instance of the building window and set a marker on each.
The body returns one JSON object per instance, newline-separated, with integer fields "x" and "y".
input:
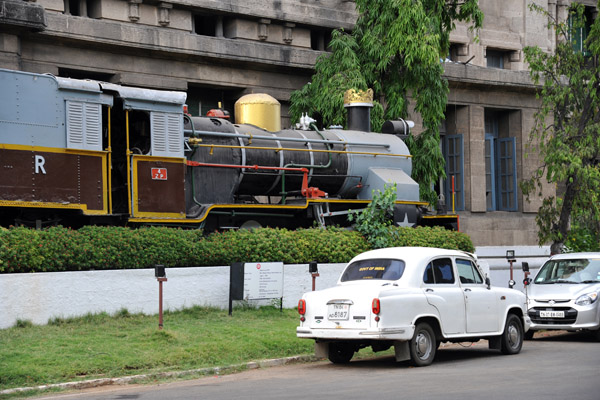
{"x": 201, "y": 99}
{"x": 319, "y": 40}
{"x": 453, "y": 153}
{"x": 83, "y": 8}
{"x": 500, "y": 165}
{"x": 494, "y": 58}
{"x": 79, "y": 74}
{"x": 580, "y": 29}
{"x": 455, "y": 51}
{"x": 209, "y": 25}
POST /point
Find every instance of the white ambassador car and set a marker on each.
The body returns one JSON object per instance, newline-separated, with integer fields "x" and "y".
{"x": 564, "y": 294}
{"x": 412, "y": 298}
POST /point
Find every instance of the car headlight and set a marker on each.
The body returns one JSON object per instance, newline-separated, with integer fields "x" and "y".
{"x": 586, "y": 299}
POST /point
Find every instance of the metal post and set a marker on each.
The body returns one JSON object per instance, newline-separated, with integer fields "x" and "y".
{"x": 511, "y": 282}
{"x": 160, "y": 301}
{"x": 314, "y": 272}
{"x": 510, "y": 257}
{"x": 314, "y": 278}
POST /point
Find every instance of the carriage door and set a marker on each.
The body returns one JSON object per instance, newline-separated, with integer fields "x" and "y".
{"x": 158, "y": 173}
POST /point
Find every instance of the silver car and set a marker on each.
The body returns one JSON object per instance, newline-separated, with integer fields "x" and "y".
{"x": 564, "y": 294}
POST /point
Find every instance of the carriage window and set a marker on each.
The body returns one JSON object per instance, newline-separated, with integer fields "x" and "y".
{"x": 167, "y": 134}
{"x": 84, "y": 124}
{"x": 439, "y": 271}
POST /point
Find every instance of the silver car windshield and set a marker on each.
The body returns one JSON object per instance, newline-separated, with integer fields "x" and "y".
{"x": 586, "y": 270}
{"x": 378, "y": 268}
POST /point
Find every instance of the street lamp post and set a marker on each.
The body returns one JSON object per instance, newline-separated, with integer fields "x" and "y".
{"x": 510, "y": 256}
{"x": 161, "y": 276}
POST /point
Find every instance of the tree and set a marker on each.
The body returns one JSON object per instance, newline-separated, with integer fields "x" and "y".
{"x": 375, "y": 221}
{"x": 395, "y": 49}
{"x": 566, "y": 132}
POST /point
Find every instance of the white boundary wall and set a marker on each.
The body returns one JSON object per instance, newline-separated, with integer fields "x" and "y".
{"x": 38, "y": 297}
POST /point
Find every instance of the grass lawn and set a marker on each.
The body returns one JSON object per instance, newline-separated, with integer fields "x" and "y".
{"x": 103, "y": 346}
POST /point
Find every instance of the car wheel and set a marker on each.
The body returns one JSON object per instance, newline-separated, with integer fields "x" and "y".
{"x": 340, "y": 353}
{"x": 423, "y": 345}
{"x": 512, "y": 339}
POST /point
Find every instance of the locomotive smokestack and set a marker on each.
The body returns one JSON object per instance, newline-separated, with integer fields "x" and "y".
{"x": 359, "y": 104}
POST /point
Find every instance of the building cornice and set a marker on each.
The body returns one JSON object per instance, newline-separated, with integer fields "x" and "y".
{"x": 472, "y": 75}
{"x": 327, "y": 14}
{"x": 175, "y": 43}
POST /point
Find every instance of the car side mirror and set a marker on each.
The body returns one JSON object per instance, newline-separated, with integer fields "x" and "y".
{"x": 525, "y": 266}
{"x": 488, "y": 282}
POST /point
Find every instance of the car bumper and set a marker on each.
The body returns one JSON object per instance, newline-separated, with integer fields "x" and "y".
{"x": 397, "y": 333}
{"x": 576, "y": 318}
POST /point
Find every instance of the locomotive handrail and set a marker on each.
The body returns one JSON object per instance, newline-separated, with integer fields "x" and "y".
{"x": 311, "y": 166}
{"x": 308, "y": 192}
{"x": 278, "y": 149}
{"x": 284, "y": 139}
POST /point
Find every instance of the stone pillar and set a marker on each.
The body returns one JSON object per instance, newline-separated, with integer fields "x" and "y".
{"x": 219, "y": 26}
{"x": 321, "y": 41}
{"x": 134, "y": 10}
{"x": 562, "y": 10}
{"x": 552, "y": 14}
{"x": 475, "y": 148}
{"x": 83, "y": 11}
{"x": 163, "y": 13}
{"x": 263, "y": 28}
{"x": 288, "y": 30}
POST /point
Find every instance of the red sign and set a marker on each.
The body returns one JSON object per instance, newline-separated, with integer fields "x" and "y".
{"x": 159, "y": 174}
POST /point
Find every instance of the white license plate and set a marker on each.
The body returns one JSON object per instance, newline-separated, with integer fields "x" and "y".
{"x": 552, "y": 314}
{"x": 338, "y": 312}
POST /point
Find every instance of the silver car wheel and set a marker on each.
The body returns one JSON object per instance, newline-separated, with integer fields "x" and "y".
{"x": 423, "y": 345}
{"x": 513, "y": 335}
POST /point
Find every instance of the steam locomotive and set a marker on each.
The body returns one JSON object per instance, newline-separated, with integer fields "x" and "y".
{"x": 76, "y": 152}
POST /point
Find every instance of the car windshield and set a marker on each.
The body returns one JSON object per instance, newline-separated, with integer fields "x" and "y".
{"x": 379, "y": 268}
{"x": 583, "y": 270}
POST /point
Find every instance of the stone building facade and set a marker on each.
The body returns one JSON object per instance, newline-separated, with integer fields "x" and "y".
{"x": 219, "y": 50}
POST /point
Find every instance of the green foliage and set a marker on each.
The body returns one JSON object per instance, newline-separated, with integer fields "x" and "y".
{"x": 62, "y": 249}
{"x": 374, "y": 222}
{"x": 566, "y": 134}
{"x": 395, "y": 49}
{"x": 23, "y": 323}
{"x": 431, "y": 237}
{"x": 584, "y": 234}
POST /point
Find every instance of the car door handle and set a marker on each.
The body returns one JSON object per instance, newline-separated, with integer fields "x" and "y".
{"x": 467, "y": 290}
{"x": 429, "y": 290}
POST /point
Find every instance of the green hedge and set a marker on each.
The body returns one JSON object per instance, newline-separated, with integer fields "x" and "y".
{"x": 92, "y": 247}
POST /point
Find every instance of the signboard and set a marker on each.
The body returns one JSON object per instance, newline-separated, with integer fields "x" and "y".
{"x": 263, "y": 280}
{"x": 159, "y": 174}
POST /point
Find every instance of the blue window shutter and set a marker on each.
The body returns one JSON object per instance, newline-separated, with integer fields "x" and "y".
{"x": 490, "y": 173}
{"x": 507, "y": 174}
{"x": 453, "y": 149}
